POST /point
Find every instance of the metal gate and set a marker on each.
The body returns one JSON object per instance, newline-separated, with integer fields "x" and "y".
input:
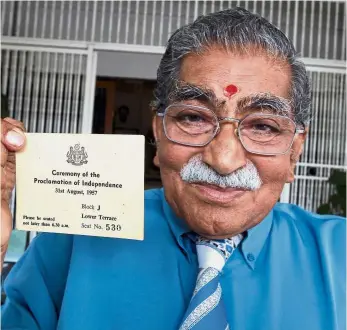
{"x": 317, "y": 28}
{"x": 325, "y": 147}
{"x": 49, "y": 89}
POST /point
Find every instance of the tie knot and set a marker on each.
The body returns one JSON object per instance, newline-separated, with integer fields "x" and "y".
{"x": 215, "y": 253}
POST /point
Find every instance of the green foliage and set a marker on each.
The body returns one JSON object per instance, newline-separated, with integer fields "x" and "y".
{"x": 337, "y": 202}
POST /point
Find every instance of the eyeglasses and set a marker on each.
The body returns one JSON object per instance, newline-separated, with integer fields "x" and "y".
{"x": 259, "y": 133}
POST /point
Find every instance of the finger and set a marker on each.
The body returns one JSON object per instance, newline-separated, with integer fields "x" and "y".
{"x": 12, "y": 136}
{"x": 4, "y": 155}
{"x": 8, "y": 180}
{"x": 6, "y": 225}
{"x": 16, "y": 123}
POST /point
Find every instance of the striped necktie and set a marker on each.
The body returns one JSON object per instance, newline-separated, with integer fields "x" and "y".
{"x": 206, "y": 309}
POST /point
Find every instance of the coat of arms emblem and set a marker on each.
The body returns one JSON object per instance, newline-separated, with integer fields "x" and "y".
{"x": 77, "y": 155}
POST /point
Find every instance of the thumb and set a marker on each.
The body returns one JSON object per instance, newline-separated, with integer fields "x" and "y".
{"x": 14, "y": 139}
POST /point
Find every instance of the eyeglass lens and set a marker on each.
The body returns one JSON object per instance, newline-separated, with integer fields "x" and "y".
{"x": 259, "y": 133}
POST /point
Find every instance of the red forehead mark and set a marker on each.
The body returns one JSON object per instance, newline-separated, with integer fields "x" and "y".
{"x": 230, "y": 90}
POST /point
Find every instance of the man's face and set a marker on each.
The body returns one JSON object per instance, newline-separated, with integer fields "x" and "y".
{"x": 209, "y": 210}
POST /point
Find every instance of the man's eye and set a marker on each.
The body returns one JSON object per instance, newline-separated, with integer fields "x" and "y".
{"x": 190, "y": 118}
{"x": 264, "y": 128}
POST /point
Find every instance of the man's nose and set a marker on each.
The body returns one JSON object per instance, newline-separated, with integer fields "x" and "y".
{"x": 225, "y": 153}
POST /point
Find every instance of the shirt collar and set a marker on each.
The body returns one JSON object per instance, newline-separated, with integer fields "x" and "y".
{"x": 251, "y": 245}
{"x": 177, "y": 225}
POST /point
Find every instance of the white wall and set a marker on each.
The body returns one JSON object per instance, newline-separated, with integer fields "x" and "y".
{"x": 109, "y": 64}
{"x": 128, "y": 65}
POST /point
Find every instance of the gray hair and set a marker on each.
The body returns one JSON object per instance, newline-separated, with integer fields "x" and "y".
{"x": 239, "y": 31}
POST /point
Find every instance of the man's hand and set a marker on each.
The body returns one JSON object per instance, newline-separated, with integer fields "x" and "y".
{"x": 12, "y": 140}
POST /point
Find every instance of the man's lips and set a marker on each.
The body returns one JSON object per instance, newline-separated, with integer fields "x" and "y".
{"x": 218, "y": 194}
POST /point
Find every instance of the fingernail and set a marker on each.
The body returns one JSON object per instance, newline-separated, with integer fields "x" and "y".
{"x": 15, "y": 138}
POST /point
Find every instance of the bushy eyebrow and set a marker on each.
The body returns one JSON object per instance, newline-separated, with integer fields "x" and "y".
{"x": 264, "y": 101}
{"x": 184, "y": 91}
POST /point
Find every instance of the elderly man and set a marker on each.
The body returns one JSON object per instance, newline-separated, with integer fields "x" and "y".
{"x": 232, "y": 107}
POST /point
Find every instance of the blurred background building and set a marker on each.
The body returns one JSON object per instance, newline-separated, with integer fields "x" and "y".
{"x": 90, "y": 66}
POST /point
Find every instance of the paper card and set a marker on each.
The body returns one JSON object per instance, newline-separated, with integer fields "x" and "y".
{"x": 81, "y": 184}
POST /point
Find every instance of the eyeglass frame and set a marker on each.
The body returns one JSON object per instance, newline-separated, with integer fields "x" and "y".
{"x": 229, "y": 120}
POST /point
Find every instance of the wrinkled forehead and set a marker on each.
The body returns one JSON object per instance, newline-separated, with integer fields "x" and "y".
{"x": 251, "y": 73}
{"x": 256, "y": 78}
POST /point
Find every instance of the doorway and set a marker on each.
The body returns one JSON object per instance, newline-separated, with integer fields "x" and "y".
{"x": 121, "y": 106}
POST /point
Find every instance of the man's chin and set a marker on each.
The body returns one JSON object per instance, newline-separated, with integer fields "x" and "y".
{"x": 215, "y": 195}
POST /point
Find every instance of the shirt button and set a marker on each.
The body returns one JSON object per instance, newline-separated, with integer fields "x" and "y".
{"x": 250, "y": 257}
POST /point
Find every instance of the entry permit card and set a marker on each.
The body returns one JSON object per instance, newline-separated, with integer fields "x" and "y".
{"x": 81, "y": 184}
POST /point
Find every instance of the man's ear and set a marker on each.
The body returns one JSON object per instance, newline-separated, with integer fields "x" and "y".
{"x": 156, "y": 133}
{"x": 295, "y": 153}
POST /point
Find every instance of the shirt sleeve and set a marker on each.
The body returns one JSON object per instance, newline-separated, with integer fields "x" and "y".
{"x": 35, "y": 286}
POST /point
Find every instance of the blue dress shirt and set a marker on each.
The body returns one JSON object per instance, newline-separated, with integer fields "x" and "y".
{"x": 287, "y": 274}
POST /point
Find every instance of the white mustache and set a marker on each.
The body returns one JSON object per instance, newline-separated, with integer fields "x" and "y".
{"x": 197, "y": 171}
